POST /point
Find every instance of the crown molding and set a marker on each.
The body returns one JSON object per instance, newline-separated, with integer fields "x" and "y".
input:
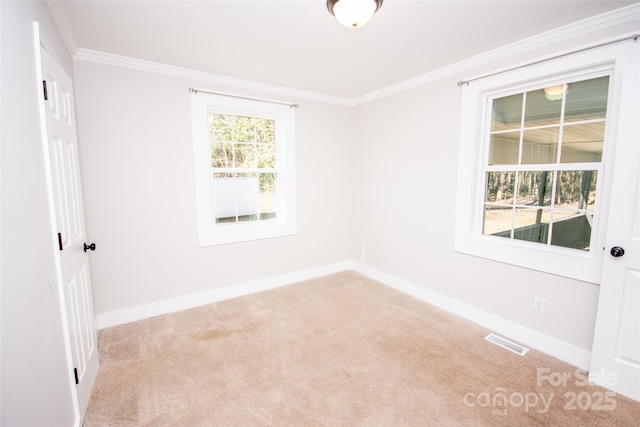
{"x": 203, "y": 76}
{"x": 599, "y": 22}
{"x": 60, "y": 18}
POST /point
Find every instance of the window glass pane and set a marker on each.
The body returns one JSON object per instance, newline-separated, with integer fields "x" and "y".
{"x": 587, "y": 99}
{"x": 498, "y": 221}
{"x": 235, "y": 197}
{"x": 582, "y": 143}
{"x": 244, "y": 129}
{"x": 266, "y": 153}
{"x": 573, "y": 230}
{"x": 268, "y": 202}
{"x": 500, "y": 187}
{"x": 506, "y": 112}
{"x": 265, "y": 130}
{"x": 248, "y": 195}
{"x": 531, "y": 225}
{"x": 541, "y": 109}
{"x": 221, "y": 155}
{"x": 246, "y": 155}
{"x": 504, "y": 148}
{"x": 576, "y": 189}
{"x": 224, "y": 194}
{"x": 220, "y": 127}
{"x": 534, "y": 188}
{"x": 540, "y": 146}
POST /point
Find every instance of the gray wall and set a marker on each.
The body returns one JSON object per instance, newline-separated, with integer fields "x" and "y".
{"x": 406, "y": 173}
{"x": 137, "y": 158}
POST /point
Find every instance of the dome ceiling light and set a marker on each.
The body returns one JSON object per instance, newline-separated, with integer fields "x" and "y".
{"x": 353, "y": 13}
{"x": 555, "y": 93}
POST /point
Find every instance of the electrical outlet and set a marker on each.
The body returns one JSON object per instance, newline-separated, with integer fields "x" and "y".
{"x": 538, "y": 304}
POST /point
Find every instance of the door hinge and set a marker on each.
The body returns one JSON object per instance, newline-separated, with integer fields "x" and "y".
{"x": 75, "y": 374}
{"x": 44, "y": 86}
{"x": 60, "y": 241}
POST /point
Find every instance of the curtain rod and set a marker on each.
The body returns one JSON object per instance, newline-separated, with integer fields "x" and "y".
{"x": 194, "y": 90}
{"x": 463, "y": 82}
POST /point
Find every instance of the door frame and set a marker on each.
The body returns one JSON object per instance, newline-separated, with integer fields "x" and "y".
{"x": 620, "y": 223}
{"x": 41, "y": 43}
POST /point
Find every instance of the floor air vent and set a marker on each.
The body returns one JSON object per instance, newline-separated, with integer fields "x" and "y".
{"x": 504, "y": 343}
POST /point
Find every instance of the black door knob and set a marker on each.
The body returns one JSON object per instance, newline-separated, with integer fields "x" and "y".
{"x": 91, "y": 247}
{"x": 617, "y": 251}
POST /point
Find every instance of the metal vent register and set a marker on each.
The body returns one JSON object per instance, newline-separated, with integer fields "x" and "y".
{"x": 504, "y": 343}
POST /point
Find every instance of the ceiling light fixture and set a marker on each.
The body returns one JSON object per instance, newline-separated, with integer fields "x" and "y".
{"x": 353, "y": 13}
{"x": 555, "y": 93}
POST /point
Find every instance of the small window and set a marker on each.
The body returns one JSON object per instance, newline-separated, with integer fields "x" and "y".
{"x": 536, "y": 151}
{"x": 244, "y": 159}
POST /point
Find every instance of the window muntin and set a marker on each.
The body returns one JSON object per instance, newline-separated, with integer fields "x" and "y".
{"x": 544, "y": 153}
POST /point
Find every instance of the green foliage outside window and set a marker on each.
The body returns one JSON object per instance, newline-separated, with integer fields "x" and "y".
{"x": 243, "y": 142}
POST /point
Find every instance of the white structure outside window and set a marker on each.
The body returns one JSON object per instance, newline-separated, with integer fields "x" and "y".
{"x": 245, "y": 171}
{"x": 536, "y": 142}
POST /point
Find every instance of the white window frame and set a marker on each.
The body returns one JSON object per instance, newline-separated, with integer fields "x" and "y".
{"x": 474, "y": 145}
{"x": 210, "y": 233}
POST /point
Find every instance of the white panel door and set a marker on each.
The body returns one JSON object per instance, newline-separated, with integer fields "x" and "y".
{"x": 69, "y": 218}
{"x": 615, "y": 358}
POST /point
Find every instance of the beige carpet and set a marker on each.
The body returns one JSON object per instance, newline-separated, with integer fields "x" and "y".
{"x": 336, "y": 351}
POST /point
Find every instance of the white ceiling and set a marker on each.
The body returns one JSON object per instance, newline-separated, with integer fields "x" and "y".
{"x": 297, "y": 44}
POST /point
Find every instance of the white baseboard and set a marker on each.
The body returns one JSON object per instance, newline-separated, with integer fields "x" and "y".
{"x": 119, "y": 317}
{"x": 544, "y": 343}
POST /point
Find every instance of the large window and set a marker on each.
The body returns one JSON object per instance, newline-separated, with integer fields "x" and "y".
{"x": 544, "y": 158}
{"x": 244, "y": 158}
{"x": 536, "y": 149}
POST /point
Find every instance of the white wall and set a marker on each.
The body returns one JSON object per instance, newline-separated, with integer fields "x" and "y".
{"x": 406, "y": 148}
{"x": 137, "y": 160}
{"x": 36, "y": 387}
